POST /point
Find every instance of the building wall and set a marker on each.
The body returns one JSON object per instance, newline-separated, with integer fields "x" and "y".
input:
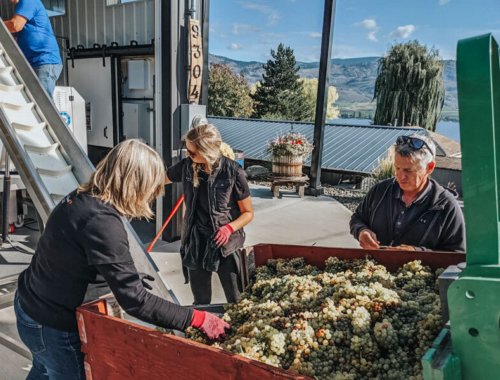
{"x": 6, "y": 9}
{"x": 91, "y": 21}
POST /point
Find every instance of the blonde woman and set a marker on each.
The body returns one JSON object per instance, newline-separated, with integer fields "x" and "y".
{"x": 218, "y": 205}
{"x": 84, "y": 248}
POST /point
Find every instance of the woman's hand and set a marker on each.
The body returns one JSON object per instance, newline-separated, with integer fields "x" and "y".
{"x": 222, "y": 236}
{"x": 209, "y": 324}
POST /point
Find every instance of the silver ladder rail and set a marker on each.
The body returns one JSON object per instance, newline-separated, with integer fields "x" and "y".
{"x": 46, "y": 154}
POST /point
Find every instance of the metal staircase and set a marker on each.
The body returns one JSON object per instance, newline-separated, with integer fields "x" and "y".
{"x": 44, "y": 151}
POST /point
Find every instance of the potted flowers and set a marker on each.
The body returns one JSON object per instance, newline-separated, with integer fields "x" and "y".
{"x": 288, "y": 152}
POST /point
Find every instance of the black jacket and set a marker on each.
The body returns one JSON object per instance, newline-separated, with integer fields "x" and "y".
{"x": 439, "y": 228}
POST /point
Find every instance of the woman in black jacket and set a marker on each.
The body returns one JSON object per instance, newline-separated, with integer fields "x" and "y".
{"x": 218, "y": 206}
{"x": 85, "y": 246}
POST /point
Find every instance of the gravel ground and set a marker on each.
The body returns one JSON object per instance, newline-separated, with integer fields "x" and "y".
{"x": 349, "y": 198}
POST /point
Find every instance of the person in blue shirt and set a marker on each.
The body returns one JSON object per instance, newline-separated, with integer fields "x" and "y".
{"x": 35, "y": 36}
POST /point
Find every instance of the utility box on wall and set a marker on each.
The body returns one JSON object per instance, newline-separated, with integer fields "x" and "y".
{"x": 136, "y": 122}
{"x": 138, "y": 76}
{"x": 190, "y": 113}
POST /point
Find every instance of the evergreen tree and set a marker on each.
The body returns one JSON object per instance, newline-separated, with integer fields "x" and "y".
{"x": 228, "y": 93}
{"x": 280, "y": 94}
{"x": 410, "y": 86}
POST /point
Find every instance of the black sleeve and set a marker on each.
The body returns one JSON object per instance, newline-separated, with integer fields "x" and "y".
{"x": 125, "y": 284}
{"x": 105, "y": 240}
{"x": 360, "y": 218}
{"x": 452, "y": 237}
{"x": 241, "y": 189}
{"x": 174, "y": 173}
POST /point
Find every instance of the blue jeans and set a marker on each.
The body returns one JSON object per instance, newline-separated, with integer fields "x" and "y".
{"x": 57, "y": 354}
{"x": 48, "y": 75}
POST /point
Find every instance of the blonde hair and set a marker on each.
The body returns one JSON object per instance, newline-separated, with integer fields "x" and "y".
{"x": 130, "y": 177}
{"x": 206, "y": 138}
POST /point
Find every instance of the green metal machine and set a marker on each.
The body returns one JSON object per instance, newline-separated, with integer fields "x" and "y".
{"x": 470, "y": 348}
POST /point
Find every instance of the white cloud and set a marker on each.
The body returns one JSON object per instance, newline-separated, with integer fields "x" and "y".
{"x": 403, "y": 31}
{"x": 315, "y": 35}
{"x": 371, "y": 35}
{"x": 212, "y": 30}
{"x": 443, "y": 2}
{"x": 244, "y": 29}
{"x": 223, "y": 36}
{"x": 235, "y": 46}
{"x": 272, "y": 14}
{"x": 368, "y": 24}
{"x": 371, "y": 25}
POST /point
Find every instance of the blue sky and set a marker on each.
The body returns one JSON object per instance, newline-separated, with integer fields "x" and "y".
{"x": 246, "y": 30}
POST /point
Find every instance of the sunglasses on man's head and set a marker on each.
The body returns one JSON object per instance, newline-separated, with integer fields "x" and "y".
{"x": 414, "y": 142}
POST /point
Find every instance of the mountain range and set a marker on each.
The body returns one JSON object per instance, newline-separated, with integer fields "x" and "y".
{"x": 354, "y": 78}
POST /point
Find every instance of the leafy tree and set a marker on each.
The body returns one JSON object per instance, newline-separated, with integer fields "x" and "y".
{"x": 311, "y": 95}
{"x": 228, "y": 93}
{"x": 410, "y": 86}
{"x": 281, "y": 93}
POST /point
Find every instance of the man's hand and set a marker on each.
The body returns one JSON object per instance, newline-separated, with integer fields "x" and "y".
{"x": 145, "y": 276}
{"x": 368, "y": 240}
{"x": 402, "y": 247}
{"x": 209, "y": 324}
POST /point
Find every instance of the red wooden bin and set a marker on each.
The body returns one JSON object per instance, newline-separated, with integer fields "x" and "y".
{"x": 118, "y": 349}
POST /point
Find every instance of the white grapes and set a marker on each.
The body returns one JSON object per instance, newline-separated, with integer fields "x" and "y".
{"x": 352, "y": 321}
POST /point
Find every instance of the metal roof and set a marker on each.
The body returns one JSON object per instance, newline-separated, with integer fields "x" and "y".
{"x": 347, "y": 147}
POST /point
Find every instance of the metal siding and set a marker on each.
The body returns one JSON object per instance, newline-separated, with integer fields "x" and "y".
{"x": 141, "y": 27}
{"x": 109, "y": 22}
{"x": 129, "y": 23}
{"x": 90, "y": 21}
{"x": 150, "y": 22}
{"x": 82, "y": 22}
{"x": 100, "y": 10}
{"x": 347, "y": 147}
{"x": 7, "y": 9}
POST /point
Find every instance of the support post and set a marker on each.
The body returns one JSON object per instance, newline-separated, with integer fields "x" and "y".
{"x": 6, "y": 200}
{"x": 315, "y": 187}
{"x": 205, "y": 9}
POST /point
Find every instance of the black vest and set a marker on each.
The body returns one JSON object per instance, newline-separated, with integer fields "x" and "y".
{"x": 221, "y": 203}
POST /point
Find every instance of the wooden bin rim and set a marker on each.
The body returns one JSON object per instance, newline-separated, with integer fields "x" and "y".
{"x": 392, "y": 260}
{"x": 98, "y": 330}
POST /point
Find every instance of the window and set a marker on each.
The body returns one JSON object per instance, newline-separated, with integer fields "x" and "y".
{"x": 55, "y": 7}
{"x": 116, "y": 2}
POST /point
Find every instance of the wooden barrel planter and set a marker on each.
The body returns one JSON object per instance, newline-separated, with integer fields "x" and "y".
{"x": 287, "y": 166}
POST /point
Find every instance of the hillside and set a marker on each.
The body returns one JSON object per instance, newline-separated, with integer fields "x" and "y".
{"x": 353, "y": 77}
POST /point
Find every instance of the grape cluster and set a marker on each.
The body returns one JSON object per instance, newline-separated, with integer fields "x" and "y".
{"x": 352, "y": 321}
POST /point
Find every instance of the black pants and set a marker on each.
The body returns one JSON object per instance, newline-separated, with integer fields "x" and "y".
{"x": 201, "y": 281}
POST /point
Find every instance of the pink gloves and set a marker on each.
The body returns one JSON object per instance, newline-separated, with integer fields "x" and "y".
{"x": 209, "y": 324}
{"x": 223, "y": 234}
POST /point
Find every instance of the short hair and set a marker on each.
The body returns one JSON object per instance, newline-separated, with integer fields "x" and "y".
{"x": 424, "y": 156}
{"x": 130, "y": 177}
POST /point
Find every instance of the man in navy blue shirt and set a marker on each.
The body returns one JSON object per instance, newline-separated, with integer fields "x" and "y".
{"x": 35, "y": 36}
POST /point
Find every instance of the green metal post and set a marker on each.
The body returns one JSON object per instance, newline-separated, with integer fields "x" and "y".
{"x": 474, "y": 299}
{"x": 478, "y": 91}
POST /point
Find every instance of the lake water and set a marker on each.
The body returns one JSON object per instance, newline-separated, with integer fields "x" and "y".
{"x": 448, "y": 128}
